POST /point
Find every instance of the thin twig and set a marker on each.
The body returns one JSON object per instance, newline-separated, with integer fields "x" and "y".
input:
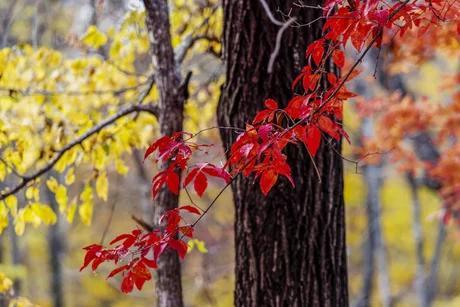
{"x": 279, "y": 37}
{"x": 270, "y": 15}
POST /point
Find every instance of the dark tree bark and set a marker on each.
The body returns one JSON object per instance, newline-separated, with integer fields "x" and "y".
{"x": 290, "y": 246}
{"x": 172, "y": 97}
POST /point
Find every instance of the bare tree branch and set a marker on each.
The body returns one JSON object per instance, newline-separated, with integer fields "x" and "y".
{"x": 279, "y": 35}
{"x": 188, "y": 43}
{"x": 270, "y": 15}
{"x": 11, "y": 91}
{"x": 137, "y": 107}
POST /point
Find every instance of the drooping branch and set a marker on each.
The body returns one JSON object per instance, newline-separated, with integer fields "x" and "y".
{"x": 136, "y": 108}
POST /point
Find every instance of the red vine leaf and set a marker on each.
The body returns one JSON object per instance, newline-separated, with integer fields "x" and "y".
{"x": 339, "y": 58}
{"x": 267, "y": 181}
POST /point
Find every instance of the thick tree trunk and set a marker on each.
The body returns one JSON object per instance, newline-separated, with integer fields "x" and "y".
{"x": 290, "y": 246}
{"x": 172, "y": 97}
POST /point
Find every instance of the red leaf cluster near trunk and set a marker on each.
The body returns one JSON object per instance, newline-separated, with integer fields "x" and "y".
{"x": 139, "y": 250}
{"x": 199, "y": 175}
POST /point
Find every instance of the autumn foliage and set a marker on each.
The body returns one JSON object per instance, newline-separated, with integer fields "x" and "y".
{"x": 312, "y": 118}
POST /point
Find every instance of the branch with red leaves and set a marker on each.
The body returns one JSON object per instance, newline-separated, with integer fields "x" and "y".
{"x": 313, "y": 114}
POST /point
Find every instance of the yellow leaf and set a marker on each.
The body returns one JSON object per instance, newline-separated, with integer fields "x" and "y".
{"x": 52, "y": 184}
{"x": 12, "y": 204}
{"x": 200, "y": 246}
{"x": 5, "y": 283}
{"x": 94, "y": 38}
{"x": 2, "y": 171}
{"x": 30, "y": 216}
{"x": 44, "y": 213}
{"x": 19, "y": 223}
{"x": 61, "y": 197}
{"x": 87, "y": 194}
{"x": 99, "y": 157}
{"x": 70, "y": 176}
{"x": 86, "y": 212}
{"x": 86, "y": 208}
{"x": 67, "y": 158}
{"x": 30, "y": 192}
{"x": 120, "y": 167}
{"x": 3, "y": 217}
{"x": 102, "y": 186}
{"x": 71, "y": 212}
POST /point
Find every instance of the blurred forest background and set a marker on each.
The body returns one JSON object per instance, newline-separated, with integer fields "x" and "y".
{"x": 65, "y": 65}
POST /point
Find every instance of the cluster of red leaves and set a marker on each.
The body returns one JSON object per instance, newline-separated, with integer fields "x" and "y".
{"x": 175, "y": 152}
{"x": 314, "y": 110}
{"x": 139, "y": 250}
{"x": 438, "y": 31}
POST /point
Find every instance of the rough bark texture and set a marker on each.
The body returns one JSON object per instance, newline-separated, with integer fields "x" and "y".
{"x": 290, "y": 246}
{"x": 172, "y": 97}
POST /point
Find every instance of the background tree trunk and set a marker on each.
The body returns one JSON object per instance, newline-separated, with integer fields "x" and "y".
{"x": 56, "y": 250}
{"x": 172, "y": 98}
{"x": 290, "y": 246}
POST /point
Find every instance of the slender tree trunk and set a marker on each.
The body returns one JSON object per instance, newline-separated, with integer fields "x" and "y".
{"x": 56, "y": 249}
{"x": 432, "y": 283}
{"x": 3, "y": 298}
{"x": 420, "y": 274}
{"x": 17, "y": 257}
{"x": 172, "y": 97}
{"x": 374, "y": 251}
{"x": 426, "y": 281}
{"x": 7, "y": 20}
{"x": 373, "y": 177}
{"x": 290, "y": 246}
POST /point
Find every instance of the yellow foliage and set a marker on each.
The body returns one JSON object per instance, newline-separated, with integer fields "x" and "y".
{"x": 200, "y": 246}
{"x": 102, "y": 186}
{"x": 3, "y": 217}
{"x": 48, "y": 99}
{"x": 94, "y": 38}
{"x": 5, "y": 283}
{"x": 70, "y": 176}
{"x": 61, "y": 197}
{"x": 35, "y": 214}
{"x": 85, "y": 210}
